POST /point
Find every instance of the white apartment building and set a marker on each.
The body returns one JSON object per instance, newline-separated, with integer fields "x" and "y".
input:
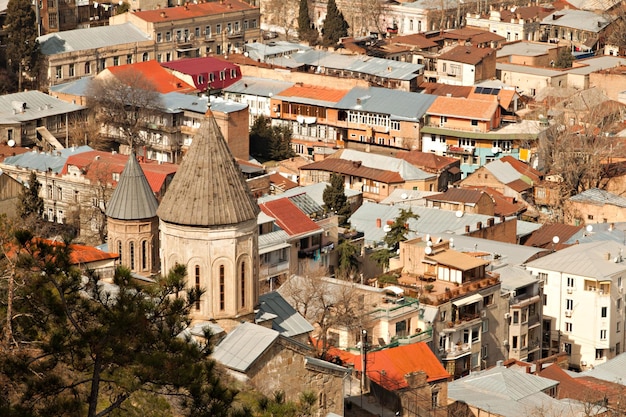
{"x": 583, "y": 302}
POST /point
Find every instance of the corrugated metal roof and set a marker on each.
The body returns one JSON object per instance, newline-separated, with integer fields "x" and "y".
{"x": 288, "y": 321}
{"x": 255, "y": 86}
{"x": 272, "y": 241}
{"x": 314, "y": 191}
{"x": 599, "y": 197}
{"x": 585, "y": 259}
{"x": 353, "y": 168}
{"x": 503, "y": 171}
{"x": 208, "y": 189}
{"x": 45, "y": 161}
{"x": 406, "y": 170}
{"x": 509, "y": 253}
{"x": 37, "y": 105}
{"x": 90, "y": 38}
{"x": 132, "y": 198}
{"x": 577, "y": 19}
{"x": 244, "y": 345}
{"x": 613, "y": 370}
{"x": 513, "y": 277}
{"x": 76, "y": 88}
{"x": 458, "y": 195}
{"x": 400, "y": 105}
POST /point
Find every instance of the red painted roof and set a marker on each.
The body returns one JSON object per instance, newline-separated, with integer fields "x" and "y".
{"x": 289, "y": 217}
{"x": 82, "y": 254}
{"x": 191, "y": 11}
{"x": 504, "y": 206}
{"x": 100, "y": 166}
{"x": 282, "y": 182}
{"x": 163, "y": 80}
{"x": 202, "y": 67}
{"x": 467, "y": 54}
{"x": 399, "y": 361}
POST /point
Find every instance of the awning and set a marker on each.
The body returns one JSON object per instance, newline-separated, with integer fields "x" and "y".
{"x": 394, "y": 289}
{"x": 468, "y": 300}
{"x": 186, "y": 49}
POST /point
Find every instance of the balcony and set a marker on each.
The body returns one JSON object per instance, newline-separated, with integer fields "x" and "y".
{"x": 391, "y": 311}
{"x": 274, "y": 269}
{"x": 456, "y": 351}
{"x": 209, "y": 38}
{"x": 234, "y": 34}
{"x": 444, "y": 291}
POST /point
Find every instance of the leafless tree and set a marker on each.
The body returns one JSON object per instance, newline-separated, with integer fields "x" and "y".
{"x": 123, "y": 104}
{"x": 327, "y": 303}
{"x": 282, "y": 13}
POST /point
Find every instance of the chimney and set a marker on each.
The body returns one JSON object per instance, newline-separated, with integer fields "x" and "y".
{"x": 611, "y": 227}
{"x": 378, "y": 223}
{"x": 607, "y": 256}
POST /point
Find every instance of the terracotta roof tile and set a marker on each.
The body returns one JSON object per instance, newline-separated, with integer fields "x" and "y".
{"x": 463, "y": 108}
{"x": 282, "y": 182}
{"x": 427, "y": 161}
{"x": 399, "y": 361}
{"x": 467, "y": 54}
{"x": 191, "y": 11}
{"x": 519, "y": 185}
{"x": 162, "y": 79}
{"x": 313, "y": 92}
{"x": 289, "y": 217}
{"x": 343, "y": 166}
{"x": 523, "y": 168}
{"x": 417, "y": 40}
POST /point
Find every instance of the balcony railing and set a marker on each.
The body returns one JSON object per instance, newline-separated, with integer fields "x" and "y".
{"x": 409, "y": 305}
{"x": 456, "y": 351}
{"x": 274, "y": 269}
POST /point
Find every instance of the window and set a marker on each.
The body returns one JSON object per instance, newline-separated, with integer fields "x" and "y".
{"x": 484, "y": 351}
{"x": 229, "y": 28}
{"x": 618, "y": 348}
{"x": 618, "y": 327}
{"x": 132, "y": 255}
{"x": 197, "y": 32}
{"x": 222, "y": 75}
{"x": 145, "y": 57}
{"x": 434, "y": 399}
{"x": 233, "y": 73}
{"x": 443, "y": 120}
{"x": 59, "y": 193}
{"x": 243, "y": 284}
{"x": 599, "y": 353}
{"x": 144, "y": 254}
{"x": 168, "y": 36}
{"x": 485, "y": 325}
{"x": 198, "y": 286}
{"x": 514, "y": 342}
{"x": 207, "y": 31}
{"x": 515, "y": 317}
{"x": 76, "y": 196}
{"x": 71, "y": 71}
{"x": 52, "y": 20}
{"x": 589, "y": 216}
{"x": 543, "y": 277}
{"x": 102, "y": 64}
{"x": 119, "y": 249}
{"x": 218, "y": 28}
{"x": 619, "y": 303}
{"x": 129, "y": 59}
{"x": 59, "y": 72}
{"x": 474, "y": 122}
{"x": 569, "y": 304}
{"x": 159, "y": 58}
{"x": 87, "y": 67}
{"x": 467, "y": 142}
{"x": 603, "y": 312}
{"x": 116, "y": 61}
{"x": 442, "y": 315}
{"x": 603, "y": 334}
{"x": 159, "y": 38}
{"x": 49, "y": 188}
{"x": 222, "y": 288}
{"x": 567, "y": 348}
{"x": 236, "y": 27}
{"x": 570, "y": 282}
{"x": 488, "y": 300}
{"x": 253, "y": 23}
{"x": 545, "y": 300}
{"x": 245, "y": 25}
{"x": 568, "y": 327}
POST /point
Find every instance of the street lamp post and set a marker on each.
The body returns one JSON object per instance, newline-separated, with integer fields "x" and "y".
{"x": 363, "y": 361}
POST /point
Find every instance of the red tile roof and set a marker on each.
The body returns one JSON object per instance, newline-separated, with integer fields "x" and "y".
{"x": 399, "y": 361}
{"x": 282, "y": 182}
{"x": 467, "y": 54}
{"x": 417, "y": 40}
{"x": 523, "y": 168}
{"x": 314, "y": 92}
{"x": 519, "y": 186}
{"x": 427, "y": 161}
{"x": 575, "y": 388}
{"x": 191, "y": 11}
{"x": 504, "y": 206}
{"x": 81, "y": 254}
{"x": 203, "y": 66}
{"x": 163, "y": 80}
{"x": 353, "y": 168}
{"x": 289, "y": 217}
{"x": 6, "y": 151}
{"x": 100, "y": 166}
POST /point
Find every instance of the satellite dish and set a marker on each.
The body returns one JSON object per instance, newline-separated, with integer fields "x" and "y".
{"x": 589, "y": 228}
{"x": 458, "y": 214}
{"x": 495, "y": 149}
{"x": 11, "y": 143}
{"x": 386, "y": 228}
{"x": 428, "y": 238}
{"x": 555, "y": 240}
{"x": 404, "y": 196}
{"x": 428, "y": 250}
{"x": 429, "y": 244}
{"x": 246, "y": 54}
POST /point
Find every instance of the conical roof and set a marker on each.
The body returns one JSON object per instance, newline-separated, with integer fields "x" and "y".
{"x": 208, "y": 188}
{"x": 133, "y": 198}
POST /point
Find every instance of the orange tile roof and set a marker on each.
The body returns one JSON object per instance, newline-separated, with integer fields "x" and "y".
{"x": 399, "y": 361}
{"x": 464, "y": 108}
{"x": 6, "y": 151}
{"x": 289, "y": 217}
{"x": 504, "y": 96}
{"x": 82, "y": 254}
{"x": 100, "y": 166}
{"x": 282, "y": 182}
{"x": 519, "y": 185}
{"x": 343, "y": 166}
{"x": 467, "y": 54}
{"x": 313, "y": 92}
{"x": 191, "y": 11}
{"x": 162, "y": 79}
{"x": 504, "y": 206}
{"x": 522, "y": 167}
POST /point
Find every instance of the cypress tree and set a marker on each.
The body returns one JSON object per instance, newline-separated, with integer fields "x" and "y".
{"x": 22, "y": 47}
{"x": 335, "y": 25}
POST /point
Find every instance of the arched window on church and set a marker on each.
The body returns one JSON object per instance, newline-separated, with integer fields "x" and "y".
{"x": 198, "y": 286}
{"x": 222, "y": 289}
{"x": 144, "y": 255}
{"x": 119, "y": 249}
{"x": 132, "y": 256}
{"x": 243, "y": 284}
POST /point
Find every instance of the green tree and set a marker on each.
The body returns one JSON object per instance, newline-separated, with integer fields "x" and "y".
{"x": 86, "y": 348}
{"x": 564, "y": 59}
{"x": 381, "y": 257}
{"x": 399, "y": 229}
{"x": 30, "y": 204}
{"x": 348, "y": 254}
{"x": 270, "y": 142}
{"x": 22, "y": 48}
{"x": 334, "y": 196}
{"x": 305, "y": 30}
{"x": 335, "y": 25}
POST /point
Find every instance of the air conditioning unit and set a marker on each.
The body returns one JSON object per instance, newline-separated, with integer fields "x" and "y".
{"x": 570, "y": 290}
{"x": 483, "y": 313}
{"x": 505, "y": 343}
{"x": 568, "y": 313}
{"x": 507, "y": 316}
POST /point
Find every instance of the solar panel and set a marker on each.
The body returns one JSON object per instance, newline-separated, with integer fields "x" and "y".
{"x": 495, "y": 92}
